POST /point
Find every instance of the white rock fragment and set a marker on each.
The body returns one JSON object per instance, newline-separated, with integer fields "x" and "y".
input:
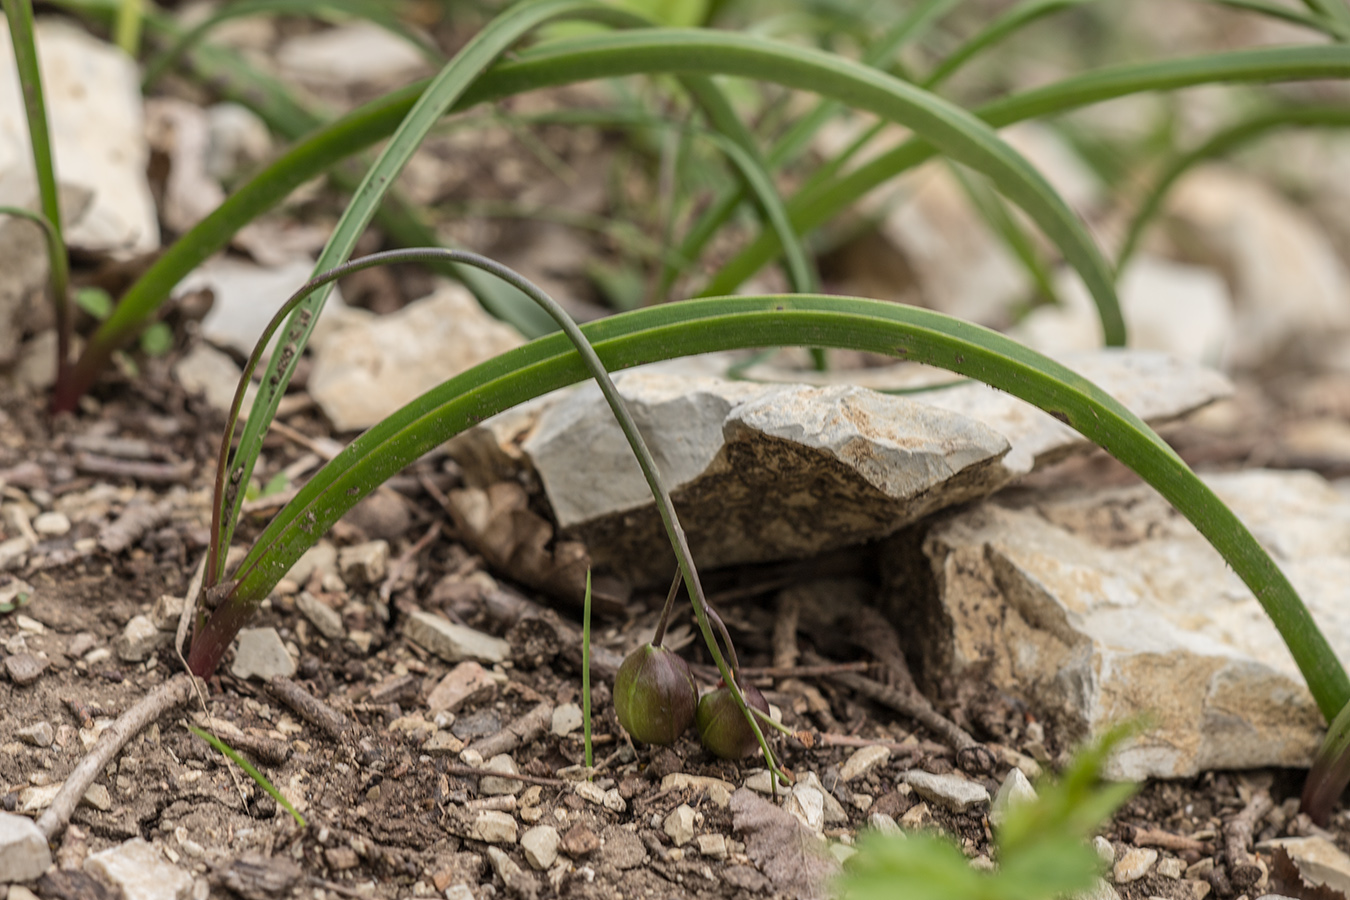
{"x": 679, "y": 825}
{"x": 166, "y": 612}
{"x": 951, "y": 791}
{"x": 139, "y": 640}
{"x": 807, "y": 803}
{"x": 864, "y": 760}
{"x": 322, "y": 616}
{"x": 39, "y": 734}
{"x": 713, "y": 846}
{"x": 1104, "y": 850}
{"x": 1319, "y": 861}
{"x": 452, "y": 642}
{"x": 540, "y": 844}
{"x": 37, "y": 798}
{"x": 1015, "y": 789}
{"x": 24, "y": 854}
{"x": 883, "y": 823}
{"x": 51, "y": 524}
{"x": 760, "y": 782}
{"x": 94, "y": 111}
{"x": 718, "y": 791}
{"x": 1133, "y": 864}
{"x": 356, "y": 54}
{"x": 364, "y": 564}
{"x": 502, "y": 762}
{"x": 494, "y": 827}
{"x": 261, "y": 654}
{"x": 369, "y": 367}
{"x": 567, "y": 718}
{"x": 140, "y": 871}
{"x": 590, "y": 792}
{"x": 613, "y": 801}
{"x": 214, "y": 375}
{"x": 1105, "y": 607}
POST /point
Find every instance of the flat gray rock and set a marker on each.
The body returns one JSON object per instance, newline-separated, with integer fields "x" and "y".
{"x": 1102, "y": 606}
{"x": 952, "y": 791}
{"x": 140, "y": 871}
{"x": 452, "y": 642}
{"x": 261, "y": 654}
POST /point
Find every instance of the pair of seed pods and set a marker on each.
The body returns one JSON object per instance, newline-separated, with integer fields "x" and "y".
{"x": 656, "y": 701}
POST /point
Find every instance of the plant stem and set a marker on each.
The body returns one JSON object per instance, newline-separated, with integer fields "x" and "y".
{"x": 665, "y": 611}
{"x": 586, "y": 670}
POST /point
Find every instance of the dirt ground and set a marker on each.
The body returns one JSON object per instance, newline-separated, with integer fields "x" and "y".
{"x": 388, "y": 818}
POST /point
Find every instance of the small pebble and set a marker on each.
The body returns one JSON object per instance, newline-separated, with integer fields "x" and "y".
{"x": 540, "y": 845}
{"x": 918, "y": 816}
{"x": 864, "y": 760}
{"x": 39, "y": 734}
{"x": 567, "y": 718}
{"x": 590, "y": 791}
{"x": 1134, "y": 864}
{"x": 51, "y": 524}
{"x": 495, "y": 827}
{"x": 502, "y": 762}
{"x": 712, "y": 845}
{"x": 679, "y": 825}
{"x": 1171, "y": 867}
{"x": 138, "y": 640}
{"x": 951, "y": 791}
{"x": 1016, "y": 789}
{"x": 24, "y": 668}
{"x": 1105, "y": 852}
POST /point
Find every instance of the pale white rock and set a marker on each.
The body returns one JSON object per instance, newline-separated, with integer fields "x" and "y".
{"x": 590, "y": 791}
{"x": 452, "y": 642}
{"x": 356, "y": 54}
{"x": 1101, "y": 890}
{"x": 1171, "y": 867}
{"x": 214, "y": 375}
{"x": 1104, "y": 850}
{"x": 807, "y": 803}
{"x": 37, "y": 798}
{"x": 864, "y": 760}
{"x": 322, "y": 616}
{"x": 713, "y": 846}
{"x": 140, "y": 871}
{"x": 951, "y": 791}
{"x": 1133, "y": 864}
{"x": 459, "y": 892}
{"x": 883, "y": 823}
{"x": 321, "y": 558}
{"x": 717, "y": 790}
{"x": 832, "y": 809}
{"x": 367, "y": 367}
{"x": 1104, "y": 605}
{"x": 916, "y": 817}
{"x": 540, "y": 844}
{"x": 98, "y": 797}
{"x": 613, "y": 801}
{"x": 761, "y": 472}
{"x": 139, "y": 640}
{"x": 51, "y": 524}
{"x": 1319, "y": 861}
{"x": 760, "y": 782}
{"x": 494, "y": 827}
{"x": 261, "y": 654}
{"x": 1015, "y": 789}
{"x": 39, "y": 734}
{"x": 181, "y": 131}
{"x": 95, "y": 116}
{"x": 567, "y": 718}
{"x": 364, "y": 564}
{"x": 1185, "y": 311}
{"x": 247, "y": 296}
{"x": 237, "y": 138}
{"x": 1292, "y": 290}
{"x": 679, "y": 825}
{"x": 167, "y": 611}
{"x": 502, "y": 762}
{"x": 24, "y": 854}
{"x": 517, "y": 881}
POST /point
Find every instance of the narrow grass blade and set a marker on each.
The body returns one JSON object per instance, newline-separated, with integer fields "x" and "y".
{"x": 19, "y": 14}
{"x": 1329, "y": 26}
{"x": 818, "y": 204}
{"x": 701, "y": 326}
{"x": 1005, "y": 226}
{"x": 1220, "y": 144}
{"x": 233, "y": 756}
{"x": 586, "y": 671}
{"x": 377, "y": 13}
{"x": 1011, "y": 21}
{"x": 127, "y": 33}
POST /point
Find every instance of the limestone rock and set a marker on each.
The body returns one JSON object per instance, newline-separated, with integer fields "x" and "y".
{"x": 139, "y": 639}
{"x": 140, "y": 871}
{"x": 540, "y": 844}
{"x": 1133, "y": 864}
{"x": 367, "y": 369}
{"x": 494, "y": 827}
{"x": 39, "y": 734}
{"x": 261, "y": 654}
{"x": 1015, "y": 789}
{"x": 364, "y": 564}
{"x": 24, "y": 668}
{"x": 679, "y": 825}
{"x": 466, "y": 683}
{"x": 1101, "y": 606}
{"x": 322, "y": 616}
{"x": 864, "y": 760}
{"x": 1319, "y": 861}
{"x": 951, "y": 791}
{"x": 567, "y": 718}
{"x": 97, "y": 128}
{"x": 759, "y": 472}
{"x": 207, "y": 371}
{"x": 502, "y": 762}
{"x": 360, "y": 53}
{"x": 24, "y": 854}
{"x": 452, "y": 642}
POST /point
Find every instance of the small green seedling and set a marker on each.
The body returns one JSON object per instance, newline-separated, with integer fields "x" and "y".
{"x": 233, "y": 756}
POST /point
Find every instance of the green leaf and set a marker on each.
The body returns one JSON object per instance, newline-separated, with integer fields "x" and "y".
{"x": 157, "y": 340}
{"x": 95, "y": 301}
{"x": 233, "y": 756}
{"x": 700, "y": 326}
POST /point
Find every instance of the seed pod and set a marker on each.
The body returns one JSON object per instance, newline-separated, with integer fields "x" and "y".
{"x": 654, "y": 695}
{"x": 722, "y": 727}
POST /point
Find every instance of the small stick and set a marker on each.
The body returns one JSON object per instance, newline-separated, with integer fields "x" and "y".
{"x": 514, "y": 776}
{"x": 311, "y": 708}
{"x": 826, "y": 739}
{"x": 1243, "y": 870}
{"x": 586, "y": 665}
{"x": 169, "y": 695}
{"x": 1178, "y": 843}
{"x": 522, "y": 730}
{"x": 149, "y": 472}
{"x": 818, "y": 671}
